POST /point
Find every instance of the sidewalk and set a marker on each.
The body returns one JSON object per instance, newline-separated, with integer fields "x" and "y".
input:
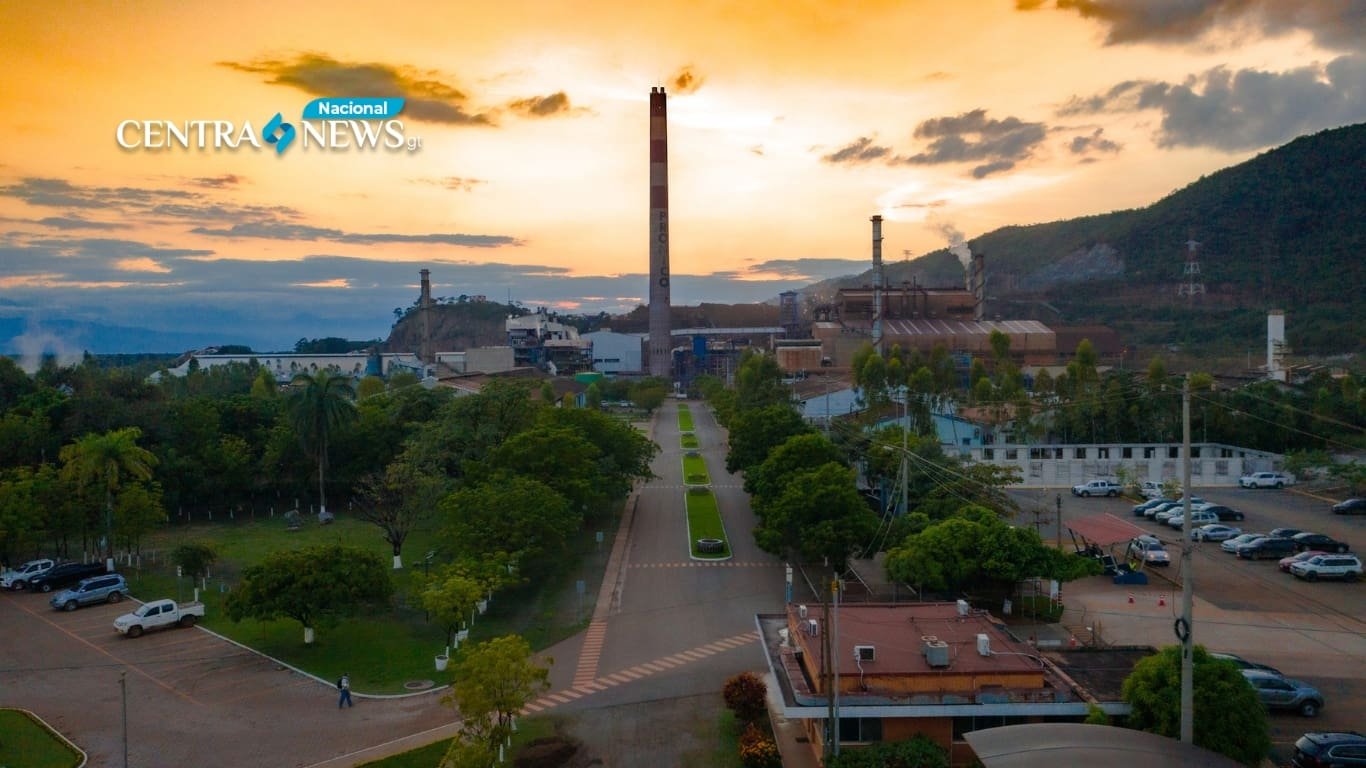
{"x": 795, "y": 754}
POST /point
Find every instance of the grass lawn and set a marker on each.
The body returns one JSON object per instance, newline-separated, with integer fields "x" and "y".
{"x": 381, "y": 649}
{"x": 425, "y": 757}
{"x": 25, "y": 743}
{"x": 695, "y": 471}
{"x": 684, "y": 418}
{"x": 689, "y": 441}
{"x": 704, "y": 522}
{"x": 724, "y": 748}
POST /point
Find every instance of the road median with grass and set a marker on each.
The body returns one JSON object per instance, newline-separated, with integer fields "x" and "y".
{"x": 28, "y": 742}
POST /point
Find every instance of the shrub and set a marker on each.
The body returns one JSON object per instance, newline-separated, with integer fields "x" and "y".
{"x": 745, "y": 695}
{"x": 757, "y": 748}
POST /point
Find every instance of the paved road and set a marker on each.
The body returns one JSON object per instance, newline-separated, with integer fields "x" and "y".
{"x": 1310, "y": 631}
{"x": 193, "y": 698}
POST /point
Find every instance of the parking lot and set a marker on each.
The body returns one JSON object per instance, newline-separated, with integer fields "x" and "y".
{"x": 1311, "y": 631}
{"x": 193, "y": 698}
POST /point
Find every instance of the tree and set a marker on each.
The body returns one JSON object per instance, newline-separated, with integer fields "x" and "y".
{"x": 493, "y": 683}
{"x": 398, "y": 501}
{"x": 799, "y": 453}
{"x": 624, "y": 452}
{"x": 916, "y": 752}
{"x": 194, "y": 558}
{"x": 451, "y": 598}
{"x": 104, "y": 461}
{"x": 592, "y": 398}
{"x": 648, "y": 396}
{"x": 818, "y": 516}
{"x": 137, "y": 511}
{"x": 309, "y": 585}
{"x": 755, "y": 432}
{"x": 559, "y": 457}
{"x": 318, "y": 404}
{"x": 264, "y": 387}
{"x": 745, "y": 695}
{"x": 517, "y": 516}
{"x": 369, "y": 386}
{"x": 1229, "y": 719}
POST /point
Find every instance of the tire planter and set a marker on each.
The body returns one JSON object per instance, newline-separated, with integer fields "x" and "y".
{"x": 711, "y": 546}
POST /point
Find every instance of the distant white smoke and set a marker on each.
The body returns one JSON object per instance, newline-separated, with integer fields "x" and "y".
{"x": 958, "y": 246}
{"x": 35, "y": 343}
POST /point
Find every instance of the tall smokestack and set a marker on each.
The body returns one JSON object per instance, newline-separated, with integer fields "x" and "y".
{"x": 978, "y": 285}
{"x": 425, "y": 307}
{"x": 877, "y": 283}
{"x": 661, "y": 343}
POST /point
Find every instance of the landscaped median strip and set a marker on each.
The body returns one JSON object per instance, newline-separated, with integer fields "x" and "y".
{"x": 29, "y": 740}
{"x": 684, "y": 418}
{"x": 705, "y": 528}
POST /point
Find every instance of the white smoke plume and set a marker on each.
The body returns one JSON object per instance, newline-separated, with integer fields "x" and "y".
{"x": 958, "y": 246}
{"x": 35, "y": 343}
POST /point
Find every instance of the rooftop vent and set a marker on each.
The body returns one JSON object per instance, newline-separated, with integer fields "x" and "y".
{"x": 937, "y": 654}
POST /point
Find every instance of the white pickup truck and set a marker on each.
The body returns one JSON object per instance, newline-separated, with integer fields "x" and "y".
{"x": 1098, "y": 488}
{"x": 159, "y": 614}
{"x": 19, "y": 578}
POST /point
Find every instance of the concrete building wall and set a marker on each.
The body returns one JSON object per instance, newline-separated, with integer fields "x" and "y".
{"x": 617, "y": 352}
{"x": 1062, "y": 466}
{"x": 488, "y": 360}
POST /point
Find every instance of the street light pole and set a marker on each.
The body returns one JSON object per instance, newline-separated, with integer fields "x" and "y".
{"x": 905, "y": 430}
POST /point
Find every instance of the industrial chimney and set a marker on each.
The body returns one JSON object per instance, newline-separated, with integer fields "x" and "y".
{"x": 661, "y": 341}
{"x": 1275, "y": 345}
{"x": 877, "y": 283}
{"x": 425, "y": 307}
{"x": 978, "y": 285}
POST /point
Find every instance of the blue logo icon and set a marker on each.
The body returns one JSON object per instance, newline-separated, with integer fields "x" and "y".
{"x": 286, "y": 133}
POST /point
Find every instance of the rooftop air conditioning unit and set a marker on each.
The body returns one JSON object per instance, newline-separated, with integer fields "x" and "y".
{"x": 864, "y": 653}
{"x": 925, "y": 641}
{"x": 963, "y": 607}
{"x": 813, "y": 627}
{"x": 937, "y": 654}
{"x": 785, "y": 637}
{"x": 983, "y": 644}
{"x": 801, "y": 611}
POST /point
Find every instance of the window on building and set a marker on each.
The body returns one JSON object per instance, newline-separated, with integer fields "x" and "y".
{"x": 1102, "y": 453}
{"x": 860, "y": 729}
{"x": 1038, "y": 453}
{"x": 1195, "y": 451}
{"x": 1012, "y": 454}
{"x": 1057, "y": 453}
{"x": 988, "y": 454}
{"x": 1149, "y": 452}
{"x": 1127, "y": 452}
{"x": 962, "y": 725}
{"x": 1173, "y": 452}
{"x": 1079, "y": 453}
{"x": 1221, "y": 468}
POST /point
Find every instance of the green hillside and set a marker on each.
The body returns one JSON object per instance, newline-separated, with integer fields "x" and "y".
{"x": 1286, "y": 229}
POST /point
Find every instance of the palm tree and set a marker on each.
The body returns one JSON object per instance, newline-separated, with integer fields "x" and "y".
{"x": 317, "y": 404}
{"x": 106, "y": 459}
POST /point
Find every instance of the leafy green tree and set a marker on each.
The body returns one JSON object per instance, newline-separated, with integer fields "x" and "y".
{"x": 466, "y": 429}
{"x": 918, "y": 751}
{"x": 755, "y": 432}
{"x": 370, "y": 386}
{"x": 23, "y": 518}
{"x": 624, "y": 452}
{"x": 518, "y": 516}
{"x": 400, "y": 500}
{"x": 648, "y": 396}
{"x": 1229, "y": 719}
{"x": 759, "y": 382}
{"x": 1096, "y": 716}
{"x": 264, "y": 387}
{"x": 194, "y": 558}
{"x": 105, "y": 460}
{"x": 451, "y": 598}
{"x": 592, "y": 397}
{"x": 819, "y": 515}
{"x": 310, "y": 585}
{"x": 318, "y": 404}
{"x": 137, "y": 512}
{"x": 494, "y": 681}
{"x": 799, "y": 453}
{"x": 560, "y": 458}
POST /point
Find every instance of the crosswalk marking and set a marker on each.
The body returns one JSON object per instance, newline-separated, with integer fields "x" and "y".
{"x": 708, "y": 564}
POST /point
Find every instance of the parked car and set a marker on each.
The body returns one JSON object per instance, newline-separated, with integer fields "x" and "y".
{"x": 1149, "y": 550}
{"x": 1225, "y": 514}
{"x": 1265, "y": 480}
{"x": 1242, "y": 663}
{"x": 1139, "y": 509}
{"x": 1198, "y": 517}
{"x": 1267, "y": 546}
{"x": 1150, "y": 489}
{"x": 1175, "y": 508}
{"x": 1295, "y": 558}
{"x": 1215, "y": 532}
{"x": 159, "y": 614}
{"x": 1151, "y": 512}
{"x": 1320, "y": 542}
{"x": 1350, "y": 507}
{"x": 1347, "y": 567}
{"x": 64, "y": 575}
{"x": 109, "y": 588}
{"x": 1285, "y": 533}
{"x": 1098, "y": 488}
{"x": 1278, "y": 692}
{"x": 18, "y": 578}
{"x": 1321, "y": 750}
{"x": 1237, "y": 541}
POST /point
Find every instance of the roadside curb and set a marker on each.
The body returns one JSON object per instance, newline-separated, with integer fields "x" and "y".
{"x": 48, "y": 726}
{"x": 1314, "y": 496}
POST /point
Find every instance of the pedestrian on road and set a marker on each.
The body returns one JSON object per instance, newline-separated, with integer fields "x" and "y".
{"x": 344, "y": 685}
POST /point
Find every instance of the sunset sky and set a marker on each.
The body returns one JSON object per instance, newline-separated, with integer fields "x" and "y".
{"x": 790, "y": 123}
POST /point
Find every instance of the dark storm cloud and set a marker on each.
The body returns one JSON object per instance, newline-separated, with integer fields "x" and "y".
{"x": 1093, "y": 142}
{"x": 275, "y": 230}
{"x": 685, "y": 80}
{"x": 541, "y": 106}
{"x": 974, "y": 137}
{"x": 1339, "y": 24}
{"x": 861, "y": 150}
{"x": 1242, "y": 109}
{"x": 426, "y": 96}
{"x": 154, "y": 201}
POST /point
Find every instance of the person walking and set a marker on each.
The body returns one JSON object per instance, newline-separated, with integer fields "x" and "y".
{"x": 344, "y": 685}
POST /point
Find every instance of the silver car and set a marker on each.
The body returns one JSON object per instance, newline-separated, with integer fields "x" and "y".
{"x": 1278, "y": 692}
{"x": 1215, "y": 532}
{"x": 109, "y": 588}
{"x": 1231, "y": 545}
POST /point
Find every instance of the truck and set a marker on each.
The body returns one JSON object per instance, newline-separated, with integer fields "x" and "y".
{"x": 1098, "y": 488}
{"x": 18, "y": 578}
{"x": 159, "y": 614}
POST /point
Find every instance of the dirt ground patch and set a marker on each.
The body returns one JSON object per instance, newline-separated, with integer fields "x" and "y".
{"x": 662, "y": 734}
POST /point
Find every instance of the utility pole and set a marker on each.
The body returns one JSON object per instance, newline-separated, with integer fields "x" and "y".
{"x": 835, "y": 659}
{"x": 832, "y": 729}
{"x": 905, "y": 459}
{"x": 1183, "y": 626}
